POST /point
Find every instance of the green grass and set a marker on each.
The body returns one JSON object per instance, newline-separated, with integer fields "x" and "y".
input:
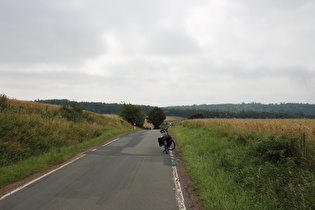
{"x": 24, "y": 168}
{"x": 234, "y": 169}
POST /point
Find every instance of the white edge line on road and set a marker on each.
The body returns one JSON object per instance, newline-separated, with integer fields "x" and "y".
{"x": 35, "y": 180}
{"x": 179, "y": 194}
{"x": 109, "y": 142}
{"x": 50, "y": 172}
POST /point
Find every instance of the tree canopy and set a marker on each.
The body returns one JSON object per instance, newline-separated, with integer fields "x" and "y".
{"x": 156, "y": 117}
{"x": 198, "y": 115}
{"x": 133, "y": 114}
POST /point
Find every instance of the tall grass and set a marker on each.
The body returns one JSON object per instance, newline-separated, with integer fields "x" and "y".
{"x": 30, "y": 130}
{"x": 236, "y": 167}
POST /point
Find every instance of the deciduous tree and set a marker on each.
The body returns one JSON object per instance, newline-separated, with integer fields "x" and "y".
{"x": 133, "y": 114}
{"x": 156, "y": 117}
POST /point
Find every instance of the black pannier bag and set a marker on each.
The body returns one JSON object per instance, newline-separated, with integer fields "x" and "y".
{"x": 169, "y": 140}
{"x": 161, "y": 141}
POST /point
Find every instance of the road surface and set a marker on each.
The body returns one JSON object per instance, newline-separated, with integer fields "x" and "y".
{"x": 129, "y": 173}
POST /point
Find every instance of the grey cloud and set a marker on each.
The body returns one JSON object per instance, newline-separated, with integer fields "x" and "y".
{"x": 184, "y": 52}
{"x": 300, "y": 75}
{"x": 70, "y": 32}
{"x": 171, "y": 42}
{"x": 42, "y": 32}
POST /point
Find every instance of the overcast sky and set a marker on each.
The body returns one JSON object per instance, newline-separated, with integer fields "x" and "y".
{"x": 159, "y": 53}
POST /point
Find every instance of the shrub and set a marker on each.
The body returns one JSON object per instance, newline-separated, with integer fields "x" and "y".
{"x": 278, "y": 147}
{"x": 73, "y": 113}
{"x": 198, "y": 115}
{"x": 3, "y": 103}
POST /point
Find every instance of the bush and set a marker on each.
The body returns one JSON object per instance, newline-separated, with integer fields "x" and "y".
{"x": 198, "y": 115}
{"x": 276, "y": 148}
{"x": 3, "y": 103}
{"x": 73, "y": 113}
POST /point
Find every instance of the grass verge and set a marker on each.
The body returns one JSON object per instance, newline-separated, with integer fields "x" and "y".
{"x": 236, "y": 169}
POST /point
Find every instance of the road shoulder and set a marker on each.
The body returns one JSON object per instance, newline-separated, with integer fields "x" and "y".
{"x": 190, "y": 195}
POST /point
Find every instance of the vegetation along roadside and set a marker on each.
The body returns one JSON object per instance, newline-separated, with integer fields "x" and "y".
{"x": 35, "y": 136}
{"x": 248, "y": 163}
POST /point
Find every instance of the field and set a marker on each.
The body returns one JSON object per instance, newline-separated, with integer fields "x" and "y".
{"x": 250, "y": 163}
{"x": 302, "y": 127}
{"x": 173, "y": 119}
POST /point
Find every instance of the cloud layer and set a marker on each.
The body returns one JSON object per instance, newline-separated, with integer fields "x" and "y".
{"x": 158, "y": 52}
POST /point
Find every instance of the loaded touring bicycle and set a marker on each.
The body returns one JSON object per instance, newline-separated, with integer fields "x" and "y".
{"x": 166, "y": 141}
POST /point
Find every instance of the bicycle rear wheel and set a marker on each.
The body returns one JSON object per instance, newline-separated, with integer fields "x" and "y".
{"x": 172, "y": 146}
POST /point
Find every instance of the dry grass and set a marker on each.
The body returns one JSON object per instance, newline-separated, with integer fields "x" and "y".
{"x": 173, "y": 118}
{"x": 147, "y": 125}
{"x": 293, "y": 126}
{"x": 37, "y": 105}
{"x": 32, "y": 104}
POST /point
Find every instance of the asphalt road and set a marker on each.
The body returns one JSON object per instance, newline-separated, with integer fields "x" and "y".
{"x": 129, "y": 173}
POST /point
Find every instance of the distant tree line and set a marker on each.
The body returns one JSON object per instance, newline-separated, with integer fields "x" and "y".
{"x": 292, "y": 108}
{"x": 251, "y": 110}
{"x": 97, "y": 107}
{"x": 190, "y": 113}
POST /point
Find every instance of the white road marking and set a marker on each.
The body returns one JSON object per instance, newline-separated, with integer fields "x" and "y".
{"x": 179, "y": 193}
{"x": 60, "y": 167}
{"x": 35, "y": 180}
{"x": 110, "y": 142}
